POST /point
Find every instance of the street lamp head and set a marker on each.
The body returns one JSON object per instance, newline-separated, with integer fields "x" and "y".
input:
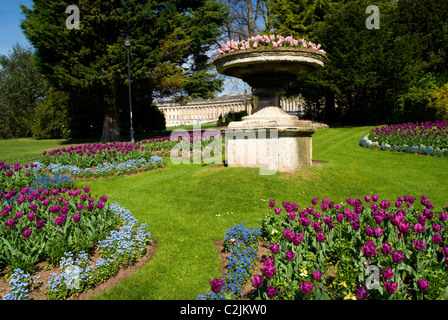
{"x": 127, "y": 41}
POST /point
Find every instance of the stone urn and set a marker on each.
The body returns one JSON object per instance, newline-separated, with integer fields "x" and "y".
{"x": 286, "y": 140}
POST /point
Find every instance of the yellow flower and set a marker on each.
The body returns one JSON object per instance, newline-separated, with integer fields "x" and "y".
{"x": 343, "y": 284}
{"x": 350, "y": 296}
{"x": 304, "y": 273}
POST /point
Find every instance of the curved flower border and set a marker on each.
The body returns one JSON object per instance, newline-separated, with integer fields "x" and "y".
{"x": 420, "y": 149}
{"x": 105, "y": 169}
{"x": 118, "y": 249}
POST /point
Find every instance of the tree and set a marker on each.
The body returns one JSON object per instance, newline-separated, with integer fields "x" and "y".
{"x": 21, "y": 88}
{"x": 170, "y": 40}
{"x": 298, "y": 18}
{"x": 367, "y": 70}
{"x": 246, "y": 19}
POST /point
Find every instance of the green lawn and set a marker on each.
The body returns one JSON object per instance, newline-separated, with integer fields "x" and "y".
{"x": 187, "y": 207}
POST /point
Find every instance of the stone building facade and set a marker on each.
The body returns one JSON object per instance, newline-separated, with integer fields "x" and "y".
{"x": 206, "y": 111}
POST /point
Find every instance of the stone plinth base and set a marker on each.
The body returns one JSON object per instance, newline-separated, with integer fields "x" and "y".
{"x": 270, "y": 148}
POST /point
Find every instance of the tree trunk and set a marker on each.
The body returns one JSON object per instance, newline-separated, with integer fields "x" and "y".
{"x": 111, "y": 128}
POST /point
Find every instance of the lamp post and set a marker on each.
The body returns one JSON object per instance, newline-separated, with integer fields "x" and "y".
{"x": 127, "y": 43}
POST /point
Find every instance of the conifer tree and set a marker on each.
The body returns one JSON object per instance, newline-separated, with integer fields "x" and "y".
{"x": 169, "y": 45}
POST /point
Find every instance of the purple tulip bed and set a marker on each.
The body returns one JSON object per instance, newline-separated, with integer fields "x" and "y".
{"x": 99, "y": 160}
{"x": 45, "y": 219}
{"x": 426, "y": 138}
{"x": 361, "y": 249}
{"x": 193, "y": 145}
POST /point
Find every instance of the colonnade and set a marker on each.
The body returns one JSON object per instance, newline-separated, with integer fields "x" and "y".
{"x": 203, "y": 111}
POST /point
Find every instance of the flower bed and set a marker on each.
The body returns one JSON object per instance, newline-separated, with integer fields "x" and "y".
{"x": 43, "y": 218}
{"x": 77, "y": 274}
{"x": 427, "y": 138}
{"x": 362, "y": 249}
{"x": 107, "y": 169}
{"x": 265, "y": 41}
{"x": 38, "y": 225}
{"x": 93, "y": 154}
{"x": 241, "y": 242}
{"x": 195, "y": 144}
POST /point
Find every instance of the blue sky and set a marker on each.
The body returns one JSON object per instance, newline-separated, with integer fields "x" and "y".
{"x": 10, "y": 17}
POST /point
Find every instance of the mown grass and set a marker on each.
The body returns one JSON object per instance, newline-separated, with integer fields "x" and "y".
{"x": 188, "y": 207}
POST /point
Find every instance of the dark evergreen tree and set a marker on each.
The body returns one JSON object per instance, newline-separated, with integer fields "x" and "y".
{"x": 169, "y": 44}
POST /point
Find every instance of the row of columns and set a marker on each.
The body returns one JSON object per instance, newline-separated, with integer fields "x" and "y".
{"x": 176, "y": 114}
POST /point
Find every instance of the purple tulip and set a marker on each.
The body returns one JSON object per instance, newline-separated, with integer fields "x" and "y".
{"x": 60, "y": 219}
{"x": 10, "y": 223}
{"x": 216, "y": 285}
{"x": 355, "y": 224}
{"x": 361, "y": 293}
{"x": 390, "y": 287}
{"x": 317, "y": 275}
{"x": 31, "y": 216}
{"x": 397, "y": 257}
{"x": 436, "y": 227}
{"x": 76, "y": 217}
{"x": 26, "y": 233}
{"x": 268, "y": 262}
{"x": 404, "y": 226}
{"x": 268, "y": 271}
{"x": 375, "y": 197}
{"x": 290, "y": 255}
{"x": 369, "y": 231}
{"x": 320, "y": 237}
{"x": 367, "y": 198}
{"x": 314, "y": 201}
{"x": 274, "y": 248}
{"x": 384, "y": 204}
{"x": 304, "y": 221}
{"x": 271, "y": 203}
{"x": 369, "y": 249}
{"x": 423, "y": 284}
{"x": 289, "y": 234}
{"x": 419, "y": 244}
{"x": 306, "y": 287}
{"x": 316, "y": 226}
{"x": 444, "y": 251}
{"x": 271, "y": 291}
{"x": 418, "y": 228}
{"x": 387, "y": 273}
{"x": 39, "y": 224}
{"x": 278, "y": 210}
{"x": 257, "y": 281}
{"x": 291, "y": 216}
{"x": 437, "y": 238}
{"x": 386, "y": 248}
{"x": 378, "y": 232}
{"x": 297, "y": 239}
{"x": 339, "y": 217}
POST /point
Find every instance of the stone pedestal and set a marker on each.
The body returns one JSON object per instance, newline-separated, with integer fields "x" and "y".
{"x": 270, "y": 147}
{"x": 269, "y": 139}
